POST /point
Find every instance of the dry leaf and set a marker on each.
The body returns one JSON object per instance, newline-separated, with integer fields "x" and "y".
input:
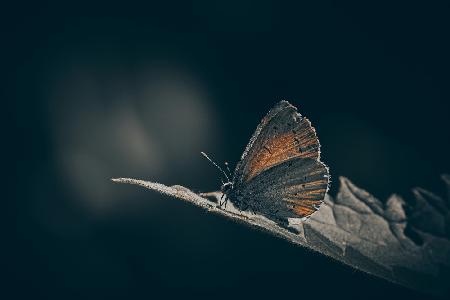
{"x": 410, "y": 247}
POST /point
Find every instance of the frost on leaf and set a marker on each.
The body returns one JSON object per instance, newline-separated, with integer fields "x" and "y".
{"x": 404, "y": 242}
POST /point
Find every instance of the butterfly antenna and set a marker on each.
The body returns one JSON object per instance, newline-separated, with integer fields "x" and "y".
{"x": 217, "y": 166}
{"x": 228, "y": 169}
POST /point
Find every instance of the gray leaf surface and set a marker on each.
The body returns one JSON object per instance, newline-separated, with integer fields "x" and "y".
{"x": 405, "y": 244}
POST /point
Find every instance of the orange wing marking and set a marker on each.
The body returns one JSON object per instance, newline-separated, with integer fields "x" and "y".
{"x": 298, "y": 143}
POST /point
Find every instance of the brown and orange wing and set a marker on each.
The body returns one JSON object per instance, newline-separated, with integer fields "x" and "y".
{"x": 281, "y": 165}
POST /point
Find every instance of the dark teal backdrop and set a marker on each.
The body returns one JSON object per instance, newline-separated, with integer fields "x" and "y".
{"x": 101, "y": 90}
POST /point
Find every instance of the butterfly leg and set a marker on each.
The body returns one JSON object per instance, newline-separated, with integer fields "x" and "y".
{"x": 221, "y": 198}
{"x": 225, "y": 201}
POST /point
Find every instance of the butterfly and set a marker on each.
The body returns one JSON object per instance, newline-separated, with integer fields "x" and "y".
{"x": 280, "y": 175}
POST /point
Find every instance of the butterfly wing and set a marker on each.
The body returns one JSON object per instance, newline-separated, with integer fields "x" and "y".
{"x": 280, "y": 173}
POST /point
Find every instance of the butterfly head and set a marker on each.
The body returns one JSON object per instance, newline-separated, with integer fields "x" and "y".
{"x": 226, "y": 187}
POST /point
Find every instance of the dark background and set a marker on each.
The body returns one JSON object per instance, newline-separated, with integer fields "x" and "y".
{"x": 102, "y": 90}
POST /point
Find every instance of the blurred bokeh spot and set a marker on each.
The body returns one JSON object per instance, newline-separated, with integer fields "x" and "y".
{"x": 106, "y": 125}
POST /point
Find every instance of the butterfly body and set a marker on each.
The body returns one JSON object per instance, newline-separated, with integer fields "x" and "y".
{"x": 280, "y": 174}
